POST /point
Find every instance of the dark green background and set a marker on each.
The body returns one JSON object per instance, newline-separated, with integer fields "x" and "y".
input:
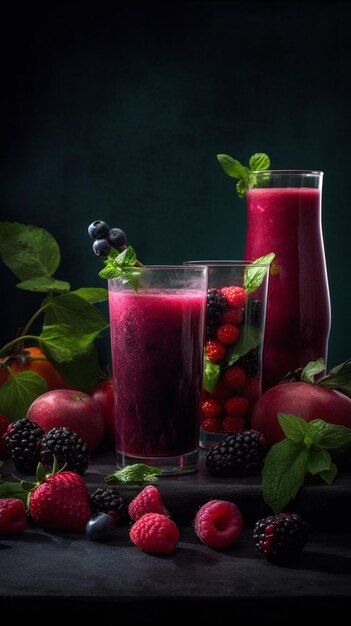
{"x": 117, "y": 111}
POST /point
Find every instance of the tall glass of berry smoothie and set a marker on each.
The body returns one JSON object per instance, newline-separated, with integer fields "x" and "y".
{"x": 157, "y": 338}
{"x": 284, "y": 215}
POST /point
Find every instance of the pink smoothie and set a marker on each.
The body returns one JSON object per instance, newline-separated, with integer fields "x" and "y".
{"x": 287, "y": 221}
{"x": 157, "y": 348}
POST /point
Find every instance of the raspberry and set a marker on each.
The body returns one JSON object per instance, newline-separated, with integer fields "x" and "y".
{"x": 234, "y": 377}
{"x": 215, "y": 351}
{"x": 281, "y": 537}
{"x": 232, "y": 316}
{"x": 232, "y": 424}
{"x": 227, "y": 333}
{"x": 252, "y": 389}
{"x": 211, "y": 408}
{"x": 221, "y": 392}
{"x": 236, "y": 406}
{"x": 211, "y": 425}
{"x": 149, "y": 500}
{"x": 218, "y": 523}
{"x": 13, "y": 518}
{"x": 235, "y": 296}
{"x": 154, "y": 532}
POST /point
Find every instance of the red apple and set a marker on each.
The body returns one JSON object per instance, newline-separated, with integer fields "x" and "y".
{"x": 68, "y": 407}
{"x": 305, "y": 400}
{"x": 4, "y": 424}
{"x": 103, "y": 394}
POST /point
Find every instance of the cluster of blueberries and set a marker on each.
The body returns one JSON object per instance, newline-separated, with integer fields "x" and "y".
{"x": 105, "y": 237}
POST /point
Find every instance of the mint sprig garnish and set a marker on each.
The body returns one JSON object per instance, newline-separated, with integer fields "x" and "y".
{"x": 338, "y": 378}
{"x": 256, "y": 271}
{"x": 257, "y": 162}
{"x": 211, "y": 374}
{"x": 122, "y": 265}
{"x": 304, "y": 451}
{"x": 136, "y": 473}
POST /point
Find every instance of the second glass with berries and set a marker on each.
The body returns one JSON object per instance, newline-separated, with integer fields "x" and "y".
{"x": 235, "y": 322}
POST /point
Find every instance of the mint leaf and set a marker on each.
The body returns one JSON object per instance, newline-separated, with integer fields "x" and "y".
{"x": 122, "y": 265}
{"x": 75, "y": 312}
{"x": 295, "y": 428}
{"x": 127, "y": 258}
{"x": 249, "y": 338}
{"x": 319, "y": 460}
{"x": 338, "y": 378}
{"x": 18, "y": 393}
{"x": 329, "y": 475}
{"x": 232, "y": 167}
{"x": 255, "y": 273}
{"x": 259, "y": 161}
{"x": 241, "y": 188}
{"x": 329, "y": 436}
{"x": 44, "y": 284}
{"x": 211, "y": 374}
{"x": 311, "y": 370}
{"x": 283, "y": 473}
{"x": 82, "y": 371}
{"x": 91, "y": 294}
{"x": 28, "y": 251}
{"x": 137, "y": 473}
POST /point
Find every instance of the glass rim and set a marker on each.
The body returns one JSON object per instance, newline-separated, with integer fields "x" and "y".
{"x": 290, "y": 172}
{"x": 199, "y": 266}
{"x": 219, "y": 263}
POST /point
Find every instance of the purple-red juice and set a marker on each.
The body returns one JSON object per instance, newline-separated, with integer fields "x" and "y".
{"x": 287, "y": 221}
{"x": 157, "y": 357}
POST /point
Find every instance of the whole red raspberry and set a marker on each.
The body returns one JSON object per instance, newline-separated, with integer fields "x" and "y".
{"x": 232, "y": 316}
{"x": 154, "y": 532}
{"x": 235, "y": 296}
{"x": 227, "y": 333}
{"x": 215, "y": 350}
{"x": 149, "y": 500}
{"x": 232, "y": 424}
{"x": 234, "y": 377}
{"x": 211, "y": 408}
{"x": 218, "y": 523}
{"x": 13, "y": 517}
{"x": 236, "y": 406}
{"x": 252, "y": 389}
{"x": 211, "y": 425}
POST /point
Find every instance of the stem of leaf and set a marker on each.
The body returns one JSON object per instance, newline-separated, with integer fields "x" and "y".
{"x": 32, "y": 319}
{"x": 13, "y": 343}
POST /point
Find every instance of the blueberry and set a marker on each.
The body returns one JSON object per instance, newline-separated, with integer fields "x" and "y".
{"x": 100, "y": 527}
{"x": 101, "y": 247}
{"x": 98, "y": 230}
{"x": 116, "y": 237}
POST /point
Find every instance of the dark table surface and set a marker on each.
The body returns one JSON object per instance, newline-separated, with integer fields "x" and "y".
{"x": 64, "y": 571}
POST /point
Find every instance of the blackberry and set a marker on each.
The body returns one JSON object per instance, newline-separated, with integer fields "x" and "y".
{"x": 239, "y": 454}
{"x": 23, "y": 441}
{"x": 216, "y": 305}
{"x": 251, "y": 362}
{"x": 281, "y": 537}
{"x": 109, "y": 500}
{"x": 68, "y": 449}
{"x": 255, "y": 311}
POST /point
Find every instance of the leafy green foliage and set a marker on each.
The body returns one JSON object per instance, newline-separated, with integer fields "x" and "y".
{"x": 18, "y": 393}
{"x": 246, "y": 178}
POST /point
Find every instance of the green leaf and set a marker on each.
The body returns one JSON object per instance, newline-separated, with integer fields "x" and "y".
{"x": 137, "y": 473}
{"x": 329, "y": 475}
{"x": 240, "y": 188}
{"x": 92, "y": 294}
{"x": 73, "y": 311}
{"x": 319, "y": 460}
{"x": 82, "y": 371}
{"x": 12, "y": 489}
{"x": 61, "y": 342}
{"x": 122, "y": 266}
{"x": 259, "y": 161}
{"x": 255, "y": 273}
{"x": 283, "y": 473}
{"x": 330, "y": 436}
{"x": 232, "y": 167}
{"x": 295, "y": 428}
{"x": 311, "y": 370}
{"x": 28, "y": 251}
{"x": 126, "y": 258}
{"x": 249, "y": 338}
{"x": 211, "y": 374}
{"x": 44, "y": 284}
{"x": 18, "y": 393}
{"x": 338, "y": 378}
